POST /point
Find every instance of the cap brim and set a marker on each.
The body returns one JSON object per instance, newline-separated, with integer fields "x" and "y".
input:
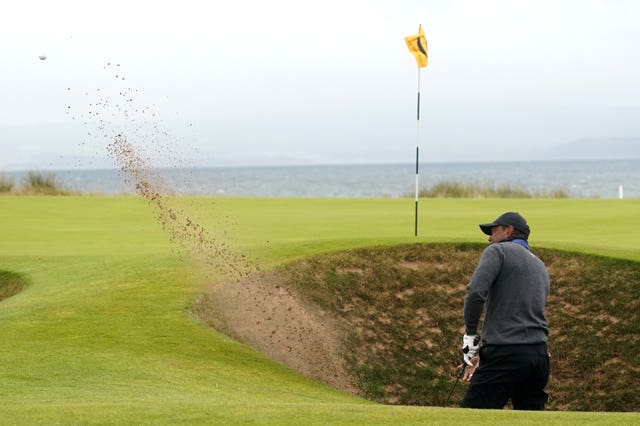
{"x": 486, "y": 227}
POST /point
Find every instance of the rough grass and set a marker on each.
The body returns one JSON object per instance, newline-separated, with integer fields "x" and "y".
{"x": 454, "y": 189}
{"x": 401, "y": 313}
{"x": 40, "y": 183}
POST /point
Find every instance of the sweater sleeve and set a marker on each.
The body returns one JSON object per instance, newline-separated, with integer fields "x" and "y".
{"x": 483, "y": 277}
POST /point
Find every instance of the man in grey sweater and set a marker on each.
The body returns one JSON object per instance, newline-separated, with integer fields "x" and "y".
{"x": 511, "y": 285}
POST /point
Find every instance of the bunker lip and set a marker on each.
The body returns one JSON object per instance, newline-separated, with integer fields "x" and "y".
{"x": 11, "y": 284}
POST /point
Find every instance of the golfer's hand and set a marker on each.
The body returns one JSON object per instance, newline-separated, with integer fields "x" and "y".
{"x": 470, "y": 369}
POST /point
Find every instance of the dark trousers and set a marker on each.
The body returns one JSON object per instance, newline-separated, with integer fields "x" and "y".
{"x": 516, "y": 372}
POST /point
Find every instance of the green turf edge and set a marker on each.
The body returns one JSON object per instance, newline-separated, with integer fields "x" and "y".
{"x": 296, "y": 414}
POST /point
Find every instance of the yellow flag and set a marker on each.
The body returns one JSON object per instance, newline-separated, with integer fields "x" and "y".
{"x": 417, "y": 45}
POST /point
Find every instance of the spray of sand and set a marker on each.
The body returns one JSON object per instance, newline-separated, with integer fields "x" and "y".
{"x": 192, "y": 237}
{"x": 247, "y": 304}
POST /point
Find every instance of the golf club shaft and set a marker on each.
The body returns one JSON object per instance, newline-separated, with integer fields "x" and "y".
{"x": 459, "y": 374}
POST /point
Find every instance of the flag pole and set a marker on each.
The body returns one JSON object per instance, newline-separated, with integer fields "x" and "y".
{"x": 417, "y": 156}
{"x": 417, "y": 45}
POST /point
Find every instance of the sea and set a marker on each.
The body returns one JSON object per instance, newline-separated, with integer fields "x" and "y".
{"x": 579, "y": 179}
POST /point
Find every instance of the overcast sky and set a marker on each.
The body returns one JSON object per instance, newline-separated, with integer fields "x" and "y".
{"x": 291, "y": 81}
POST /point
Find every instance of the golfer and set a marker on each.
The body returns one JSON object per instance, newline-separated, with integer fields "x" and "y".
{"x": 509, "y": 359}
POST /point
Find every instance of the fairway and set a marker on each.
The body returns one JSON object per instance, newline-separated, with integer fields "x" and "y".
{"x": 102, "y": 332}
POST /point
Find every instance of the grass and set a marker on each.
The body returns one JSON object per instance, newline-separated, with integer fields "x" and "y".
{"x": 102, "y": 332}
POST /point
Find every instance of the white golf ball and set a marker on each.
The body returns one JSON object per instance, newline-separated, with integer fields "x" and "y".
{"x": 42, "y": 57}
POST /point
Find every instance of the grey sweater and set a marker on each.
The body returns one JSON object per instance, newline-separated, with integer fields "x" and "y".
{"x": 512, "y": 286}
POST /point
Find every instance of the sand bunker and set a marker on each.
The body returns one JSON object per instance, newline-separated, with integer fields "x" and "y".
{"x": 274, "y": 321}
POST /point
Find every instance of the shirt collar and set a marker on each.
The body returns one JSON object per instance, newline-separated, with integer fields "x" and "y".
{"x": 520, "y": 241}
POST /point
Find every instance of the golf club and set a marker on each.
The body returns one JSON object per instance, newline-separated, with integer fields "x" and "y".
{"x": 459, "y": 374}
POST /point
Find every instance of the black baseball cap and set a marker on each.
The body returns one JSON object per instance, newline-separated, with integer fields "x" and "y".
{"x": 508, "y": 219}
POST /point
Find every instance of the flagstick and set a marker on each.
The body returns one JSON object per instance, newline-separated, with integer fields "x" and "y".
{"x": 417, "y": 154}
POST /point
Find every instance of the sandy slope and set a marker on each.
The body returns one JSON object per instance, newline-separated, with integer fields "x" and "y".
{"x": 274, "y": 321}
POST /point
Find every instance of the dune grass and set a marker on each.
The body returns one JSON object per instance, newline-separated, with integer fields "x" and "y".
{"x": 33, "y": 183}
{"x": 6, "y": 183}
{"x": 102, "y": 332}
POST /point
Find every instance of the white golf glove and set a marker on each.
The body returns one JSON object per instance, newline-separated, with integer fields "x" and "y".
{"x": 469, "y": 348}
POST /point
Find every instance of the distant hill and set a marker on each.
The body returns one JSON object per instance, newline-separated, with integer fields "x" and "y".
{"x": 596, "y": 149}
